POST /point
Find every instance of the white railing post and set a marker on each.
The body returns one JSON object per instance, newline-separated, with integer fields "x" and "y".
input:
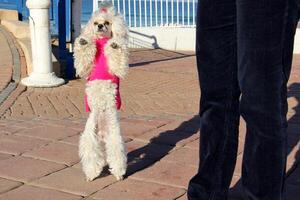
{"x": 167, "y": 12}
{"x": 145, "y": 4}
{"x": 188, "y": 2}
{"x": 95, "y": 5}
{"x": 118, "y": 6}
{"x": 129, "y": 13}
{"x": 194, "y": 12}
{"x": 161, "y": 12}
{"x": 124, "y": 10}
{"x": 144, "y": 11}
{"x": 183, "y": 13}
{"x": 42, "y": 74}
{"x": 134, "y": 10}
{"x": 177, "y": 12}
{"x": 156, "y": 18}
{"x": 172, "y": 5}
{"x": 151, "y": 24}
{"x": 140, "y": 6}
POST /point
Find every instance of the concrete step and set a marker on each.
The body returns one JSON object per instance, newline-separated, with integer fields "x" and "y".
{"x": 19, "y": 29}
{"x": 9, "y": 15}
{"x": 25, "y": 44}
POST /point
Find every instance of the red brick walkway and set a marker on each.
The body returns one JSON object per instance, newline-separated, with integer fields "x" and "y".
{"x": 39, "y": 136}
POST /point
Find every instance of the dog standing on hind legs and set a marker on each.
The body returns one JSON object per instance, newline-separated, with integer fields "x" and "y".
{"x": 101, "y": 56}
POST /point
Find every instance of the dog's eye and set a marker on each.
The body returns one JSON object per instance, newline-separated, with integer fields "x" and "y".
{"x": 106, "y": 23}
{"x": 95, "y": 23}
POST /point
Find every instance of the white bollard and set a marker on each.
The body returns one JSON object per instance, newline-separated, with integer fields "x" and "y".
{"x": 42, "y": 74}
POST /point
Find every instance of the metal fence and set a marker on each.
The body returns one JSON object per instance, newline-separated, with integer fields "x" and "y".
{"x": 149, "y": 13}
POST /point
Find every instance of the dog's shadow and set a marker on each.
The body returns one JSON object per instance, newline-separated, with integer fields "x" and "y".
{"x": 161, "y": 145}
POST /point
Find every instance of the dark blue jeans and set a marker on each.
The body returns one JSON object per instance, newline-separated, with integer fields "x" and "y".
{"x": 244, "y": 52}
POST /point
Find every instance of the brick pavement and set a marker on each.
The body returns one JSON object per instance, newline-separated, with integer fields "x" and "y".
{"x": 39, "y": 135}
{"x": 6, "y": 62}
{"x": 149, "y": 91}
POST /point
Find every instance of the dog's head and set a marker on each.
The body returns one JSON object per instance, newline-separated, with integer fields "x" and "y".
{"x": 106, "y": 22}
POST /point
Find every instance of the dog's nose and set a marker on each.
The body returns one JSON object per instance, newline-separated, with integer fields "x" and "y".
{"x": 100, "y": 26}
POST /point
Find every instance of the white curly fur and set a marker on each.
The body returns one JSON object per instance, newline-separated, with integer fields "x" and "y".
{"x": 84, "y": 55}
{"x": 108, "y": 145}
{"x": 101, "y": 142}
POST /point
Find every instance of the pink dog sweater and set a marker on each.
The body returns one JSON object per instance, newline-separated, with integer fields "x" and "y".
{"x": 100, "y": 71}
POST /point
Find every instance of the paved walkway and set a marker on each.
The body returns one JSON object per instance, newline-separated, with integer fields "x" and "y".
{"x": 39, "y": 135}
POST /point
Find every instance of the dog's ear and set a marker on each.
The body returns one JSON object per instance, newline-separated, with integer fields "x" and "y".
{"x": 119, "y": 27}
{"x": 88, "y": 29}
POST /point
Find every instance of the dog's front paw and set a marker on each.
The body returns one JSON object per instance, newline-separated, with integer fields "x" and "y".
{"x": 83, "y": 41}
{"x": 115, "y": 45}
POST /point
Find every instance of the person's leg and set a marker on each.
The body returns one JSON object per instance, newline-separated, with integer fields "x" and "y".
{"x": 219, "y": 105}
{"x": 264, "y": 58}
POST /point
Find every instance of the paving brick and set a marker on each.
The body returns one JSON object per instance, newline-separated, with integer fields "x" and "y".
{"x": 135, "y": 190}
{"x": 4, "y": 133}
{"x": 77, "y": 125}
{"x": 193, "y": 144}
{"x": 72, "y": 180}
{"x": 241, "y": 146}
{"x": 238, "y": 165}
{"x": 10, "y": 129}
{"x": 35, "y": 193}
{"x": 156, "y": 123}
{"x": 137, "y": 164}
{"x": 26, "y": 169}
{"x": 4, "y": 156}
{"x": 190, "y": 125}
{"x": 72, "y": 140}
{"x": 56, "y": 152}
{"x": 133, "y": 129}
{"x": 48, "y": 132}
{"x": 29, "y": 124}
{"x": 168, "y": 137}
{"x": 6, "y": 185}
{"x": 167, "y": 173}
{"x": 147, "y": 150}
{"x": 16, "y": 145}
{"x": 184, "y": 156}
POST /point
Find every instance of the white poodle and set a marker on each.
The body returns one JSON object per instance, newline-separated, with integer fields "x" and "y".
{"x": 101, "y": 56}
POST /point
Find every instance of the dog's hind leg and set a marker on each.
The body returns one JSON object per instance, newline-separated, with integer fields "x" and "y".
{"x": 115, "y": 148}
{"x": 91, "y": 153}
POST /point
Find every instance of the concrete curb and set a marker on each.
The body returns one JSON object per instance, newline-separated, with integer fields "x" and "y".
{"x": 9, "y": 94}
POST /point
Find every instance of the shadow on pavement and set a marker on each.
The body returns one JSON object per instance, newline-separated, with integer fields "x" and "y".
{"x": 160, "y": 146}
